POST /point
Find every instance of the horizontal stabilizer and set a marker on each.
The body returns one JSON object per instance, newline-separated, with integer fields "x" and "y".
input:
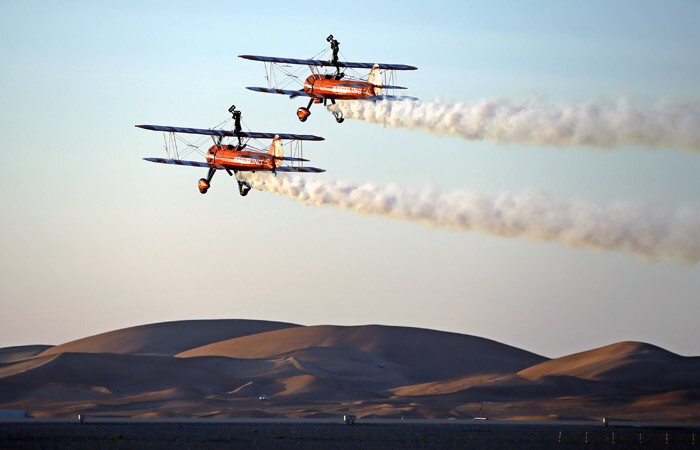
{"x": 390, "y": 98}
{"x": 300, "y": 169}
{"x": 222, "y": 133}
{"x": 290, "y": 158}
{"x": 324, "y": 63}
{"x": 392, "y": 87}
{"x": 269, "y": 156}
{"x": 364, "y": 84}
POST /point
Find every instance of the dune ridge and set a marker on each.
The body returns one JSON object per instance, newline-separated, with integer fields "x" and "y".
{"x": 166, "y": 338}
{"x": 629, "y": 364}
{"x": 22, "y": 352}
{"x": 420, "y": 351}
{"x": 252, "y": 368}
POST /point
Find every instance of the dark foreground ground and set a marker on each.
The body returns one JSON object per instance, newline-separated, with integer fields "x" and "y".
{"x": 316, "y": 435}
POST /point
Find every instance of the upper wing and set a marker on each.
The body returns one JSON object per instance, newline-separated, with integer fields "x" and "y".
{"x": 323, "y": 63}
{"x": 249, "y": 134}
{"x": 180, "y": 162}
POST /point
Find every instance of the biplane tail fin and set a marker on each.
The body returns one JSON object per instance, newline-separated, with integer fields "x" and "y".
{"x": 276, "y": 148}
{"x": 375, "y": 77}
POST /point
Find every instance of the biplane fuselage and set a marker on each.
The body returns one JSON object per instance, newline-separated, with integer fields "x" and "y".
{"x": 229, "y": 157}
{"x": 344, "y": 89}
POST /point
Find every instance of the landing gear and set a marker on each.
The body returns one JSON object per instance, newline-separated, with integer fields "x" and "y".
{"x": 338, "y": 114}
{"x": 205, "y": 183}
{"x": 304, "y": 113}
{"x": 244, "y": 187}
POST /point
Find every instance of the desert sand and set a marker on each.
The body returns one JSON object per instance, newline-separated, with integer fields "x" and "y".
{"x": 221, "y": 368}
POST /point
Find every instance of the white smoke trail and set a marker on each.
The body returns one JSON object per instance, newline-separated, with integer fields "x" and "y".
{"x": 673, "y": 235}
{"x": 665, "y": 125}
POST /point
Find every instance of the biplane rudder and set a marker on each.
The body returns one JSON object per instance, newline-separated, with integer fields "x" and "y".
{"x": 375, "y": 78}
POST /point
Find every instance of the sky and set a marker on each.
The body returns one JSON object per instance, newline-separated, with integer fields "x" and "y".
{"x": 94, "y": 238}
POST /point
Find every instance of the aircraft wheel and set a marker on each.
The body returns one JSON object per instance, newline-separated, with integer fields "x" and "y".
{"x": 303, "y": 114}
{"x": 340, "y": 120}
{"x": 203, "y": 185}
{"x": 243, "y": 188}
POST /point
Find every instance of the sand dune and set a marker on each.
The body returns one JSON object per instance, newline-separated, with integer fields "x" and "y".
{"x": 302, "y": 388}
{"x": 450, "y": 386}
{"x": 506, "y": 388}
{"x": 14, "y": 354}
{"x": 120, "y": 374}
{"x": 626, "y": 364}
{"x": 25, "y": 365}
{"x": 166, "y": 338}
{"x": 221, "y": 368}
{"x": 671, "y": 399}
{"x": 424, "y": 354}
{"x": 352, "y": 366}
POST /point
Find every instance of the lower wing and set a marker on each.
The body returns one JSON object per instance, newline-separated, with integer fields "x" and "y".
{"x": 180, "y": 162}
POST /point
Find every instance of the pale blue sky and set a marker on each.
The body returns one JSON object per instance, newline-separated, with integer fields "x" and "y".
{"x": 95, "y": 239}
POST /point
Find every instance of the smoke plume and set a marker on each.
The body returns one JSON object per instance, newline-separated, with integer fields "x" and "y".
{"x": 665, "y": 125}
{"x": 672, "y": 235}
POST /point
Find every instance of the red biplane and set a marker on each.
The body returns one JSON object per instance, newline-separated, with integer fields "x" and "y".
{"x": 235, "y": 157}
{"x": 322, "y": 87}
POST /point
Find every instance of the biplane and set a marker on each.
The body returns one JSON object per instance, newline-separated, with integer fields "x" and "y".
{"x": 238, "y": 156}
{"x": 322, "y": 87}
